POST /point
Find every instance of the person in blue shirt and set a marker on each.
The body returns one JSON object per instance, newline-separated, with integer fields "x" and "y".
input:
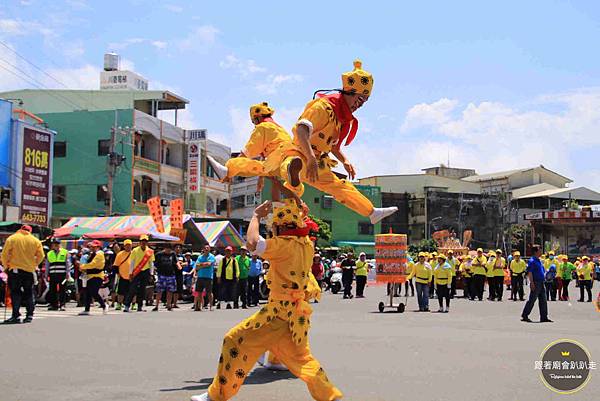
{"x": 254, "y": 273}
{"x": 536, "y": 274}
{"x": 203, "y": 271}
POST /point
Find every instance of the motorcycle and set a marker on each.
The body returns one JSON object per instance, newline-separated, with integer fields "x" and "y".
{"x": 335, "y": 281}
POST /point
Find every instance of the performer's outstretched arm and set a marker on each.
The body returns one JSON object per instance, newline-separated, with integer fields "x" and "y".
{"x": 312, "y": 168}
{"x": 337, "y": 152}
{"x": 253, "y": 229}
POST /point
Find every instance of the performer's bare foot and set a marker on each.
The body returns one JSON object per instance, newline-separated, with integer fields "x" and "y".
{"x": 220, "y": 169}
{"x": 294, "y": 172}
{"x": 380, "y": 213}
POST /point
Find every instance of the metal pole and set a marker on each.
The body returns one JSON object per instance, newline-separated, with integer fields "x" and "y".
{"x": 111, "y": 161}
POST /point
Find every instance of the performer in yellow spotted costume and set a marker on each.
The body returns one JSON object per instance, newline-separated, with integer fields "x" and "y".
{"x": 282, "y": 325}
{"x": 325, "y": 124}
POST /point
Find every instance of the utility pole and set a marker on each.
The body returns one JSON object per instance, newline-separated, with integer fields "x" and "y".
{"x": 114, "y": 159}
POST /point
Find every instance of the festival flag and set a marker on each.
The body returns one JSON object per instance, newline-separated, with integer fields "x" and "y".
{"x": 177, "y": 214}
{"x": 156, "y": 212}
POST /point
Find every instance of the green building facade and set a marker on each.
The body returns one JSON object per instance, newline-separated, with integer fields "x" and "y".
{"x": 348, "y": 228}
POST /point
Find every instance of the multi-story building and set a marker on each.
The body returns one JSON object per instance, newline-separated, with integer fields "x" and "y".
{"x": 96, "y": 125}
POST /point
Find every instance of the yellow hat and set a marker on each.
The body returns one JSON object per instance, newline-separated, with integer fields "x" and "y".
{"x": 358, "y": 81}
{"x": 144, "y": 237}
{"x": 585, "y": 258}
{"x": 288, "y": 212}
{"x": 551, "y": 253}
{"x": 127, "y": 242}
{"x": 434, "y": 253}
{"x": 450, "y": 252}
{"x": 517, "y": 253}
{"x": 441, "y": 256}
{"x": 498, "y": 250}
{"x": 423, "y": 254}
{"x": 491, "y": 253}
{"x": 261, "y": 110}
{"x": 468, "y": 256}
{"x": 479, "y": 249}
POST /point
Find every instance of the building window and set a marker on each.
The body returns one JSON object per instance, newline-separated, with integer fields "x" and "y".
{"x": 137, "y": 191}
{"x": 365, "y": 228}
{"x": 60, "y": 149}
{"x": 237, "y": 202}
{"x": 210, "y": 205}
{"x": 103, "y": 147}
{"x": 101, "y": 193}
{"x": 251, "y": 200}
{"x": 59, "y": 194}
{"x": 327, "y": 202}
{"x": 317, "y": 200}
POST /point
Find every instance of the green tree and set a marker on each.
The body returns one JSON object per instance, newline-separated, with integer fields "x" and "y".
{"x": 426, "y": 245}
{"x": 324, "y": 229}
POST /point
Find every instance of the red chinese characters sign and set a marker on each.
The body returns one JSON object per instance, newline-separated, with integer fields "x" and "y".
{"x": 391, "y": 258}
{"x": 36, "y": 177}
{"x": 193, "y": 167}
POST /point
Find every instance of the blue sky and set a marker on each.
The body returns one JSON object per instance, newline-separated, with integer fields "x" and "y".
{"x": 493, "y": 87}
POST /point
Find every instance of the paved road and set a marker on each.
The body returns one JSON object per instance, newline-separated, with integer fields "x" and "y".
{"x": 479, "y": 351}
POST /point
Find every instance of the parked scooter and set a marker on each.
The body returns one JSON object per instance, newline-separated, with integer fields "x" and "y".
{"x": 335, "y": 282}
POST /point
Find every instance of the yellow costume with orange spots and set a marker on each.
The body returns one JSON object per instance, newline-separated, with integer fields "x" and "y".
{"x": 282, "y": 325}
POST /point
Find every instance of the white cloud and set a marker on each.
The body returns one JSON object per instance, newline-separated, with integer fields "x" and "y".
{"x": 273, "y": 83}
{"x": 125, "y": 43}
{"x": 199, "y": 38}
{"x": 159, "y": 44}
{"x": 26, "y": 2}
{"x": 17, "y": 27}
{"x": 243, "y": 67}
{"x": 73, "y": 49}
{"x": 85, "y": 77}
{"x": 491, "y": 136}
{"x": 173, "y": 8}
{"x": 424, "y": 114}
{"x": 127, "y": 65}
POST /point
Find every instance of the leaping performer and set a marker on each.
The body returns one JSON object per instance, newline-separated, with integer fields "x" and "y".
{"x": 326, "y": 123}
{"x": 282, "y": 325}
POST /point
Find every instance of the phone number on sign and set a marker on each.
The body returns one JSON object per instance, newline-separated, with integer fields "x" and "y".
{"x": 34, "y": 218}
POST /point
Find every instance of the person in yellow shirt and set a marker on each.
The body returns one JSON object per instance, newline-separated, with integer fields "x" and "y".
{"x": 479, "y": 273}
{"x": 361, "y": 272}
{"x": 21, "y": 255}
{"x": 423, "y": 275}
{"x": 94, "y": 271}
{"x": 326, "y": 124}
{"x": 442, "y": 274}
{"x": 122, "y": 264}
{"x": 489, "y": 268}
{"x": 454, "y": 264}
{"x": 282, "y": 325}
{"x": 228, "y": 276}
{"x": 432, "y": 260}
{"x": 268, "y": 141}
{"x": 498, "y": 275}
{"x": 517, "y": 272}
{"x": 409, "y": 283}
{"x": 584, "y": 274}
{"x": 140, "y": 269}
{"x": 466, "y": 272}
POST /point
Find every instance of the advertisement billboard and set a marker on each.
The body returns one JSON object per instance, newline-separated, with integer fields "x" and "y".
{"x": 36, "y": 176}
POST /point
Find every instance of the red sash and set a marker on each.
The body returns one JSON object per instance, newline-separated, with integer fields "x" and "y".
{"x": 142, "y": 263}
{"x": 344, "y": 115}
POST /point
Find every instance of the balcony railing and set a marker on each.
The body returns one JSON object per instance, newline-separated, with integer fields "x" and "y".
{"x": 150, "y": 166}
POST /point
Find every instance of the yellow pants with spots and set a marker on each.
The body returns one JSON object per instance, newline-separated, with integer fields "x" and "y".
{"x": 341, "y": 189}
{"x": 243, "y": 345}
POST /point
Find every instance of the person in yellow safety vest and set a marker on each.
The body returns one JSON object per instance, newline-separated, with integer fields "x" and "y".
{"x": 94, "y": 271}
{"x": 423, "y": 275}
{"x": 548, "y": 260}
{"x": 479, "y": 273}
{"x": 58, "y": 272}
{"x": 466, "y": 273}
{"x": 432, "y": 262}
{"x": 517, "y": 271}
{"x": 584, "y": 274}
{"x": 409, "y": 283}
{"x": 442, "y": 274}
{"x": 282, "y": 325}
{"x": 489, "y": 268}
{"x": 268, "y": 141}
{"x": 454, "y": 264}
{"x": 21, "y": 255}
{"x": 498, "y": 275}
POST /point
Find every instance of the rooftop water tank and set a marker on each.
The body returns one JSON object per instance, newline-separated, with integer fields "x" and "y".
{"x": 111, "y": 62}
